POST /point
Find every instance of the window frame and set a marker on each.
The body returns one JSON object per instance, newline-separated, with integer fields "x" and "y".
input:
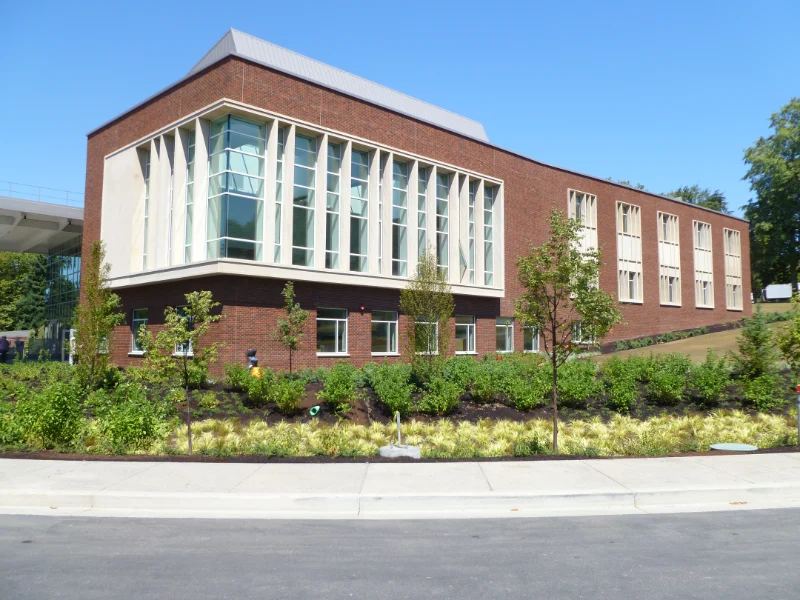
{"x": 391, "y": 324}
{"x": 435, "y": 351}
{"x": 179, "y": 350}
{"x": 536, "y": 342}
{"x": 629, "y": 227}
{"x": 471, "y": 333}
{"x": 703, "y": 242}
{"x": 135, "y": 350}
{"x": 668, "y": 226}
{"x": 508, "y": 325}
{"x": 338, "y": 321}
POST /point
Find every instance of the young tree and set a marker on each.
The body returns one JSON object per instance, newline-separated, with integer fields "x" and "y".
{"x": 96, "y": 316}
{"x": 290, "y": 329}
{"x": 757, "y": 353}
{"x": 23, "y": 281}
{"x": 561, "y": 295}
{"x": 774, "y": 214}
{"x": 428, "y": 300}
{"x": 789, "y": 338}
{"x": 184, "y": 328}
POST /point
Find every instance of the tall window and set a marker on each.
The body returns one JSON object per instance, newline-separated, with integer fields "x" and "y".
{"x": 530, "y": 339}
{"x": 382, "y": 170}
{"x": 504, "y": 334}
{"x": 703, "y": 265}
{"x": 384, "y": 332}
{"x": 138, "y": 321}
{"x": 489, "y": 194}
{"x": 146, "y": 206}
{"x": 669, "y": 259}
{"x": 169, "y": 211}
{"x": 332, "y": 207}
{"x": 331, "y": 331}
{"x": 305, "y": 168}
{"x": 359, "y": 213}
{"x": 236, "y": 189}
{"x": 187, "y": 240}
{"x": 442, "y": 220}
{"x": 583, "y": 208}
{"x": 733, "y": 269}
{"x": 400, "y": 219}
{"x": 629, "y": 252}
{"x": 465, "y": 335}
{"x": 422, "y": 212}
{"x": 473, "y": 189}
{"x": 279, "y": 193}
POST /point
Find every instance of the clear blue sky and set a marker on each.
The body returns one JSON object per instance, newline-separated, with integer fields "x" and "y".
{"x": 665, "y": 94}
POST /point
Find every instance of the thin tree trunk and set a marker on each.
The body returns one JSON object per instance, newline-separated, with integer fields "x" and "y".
{"x": 188, "y": 405}
{"x": 555, "y": 405}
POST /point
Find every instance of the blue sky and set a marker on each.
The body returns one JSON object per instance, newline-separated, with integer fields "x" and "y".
{"x": 665, "y": 94}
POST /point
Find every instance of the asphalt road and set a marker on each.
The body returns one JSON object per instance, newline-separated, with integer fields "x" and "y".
{"x": 726, "y": 555}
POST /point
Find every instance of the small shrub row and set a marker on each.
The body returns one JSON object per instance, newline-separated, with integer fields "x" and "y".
{"x": 670, "y": 336}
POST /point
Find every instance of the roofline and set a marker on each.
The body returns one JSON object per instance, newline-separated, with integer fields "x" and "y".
{"x": 480, "y": 141}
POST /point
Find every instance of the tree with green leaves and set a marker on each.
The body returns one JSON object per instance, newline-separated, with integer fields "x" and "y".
{"x": 774, "y": 214}
{"x": 789, "y": 339}
{"x": 291, "y": 328}
{"x": 428, "y": 300}
{"x": 757, "y": 353}
{"x": 23, "y": 281}
{"x": 184, "y": 328}
{"x": 715, "y": 200}
{"x": 562, "y": 297}
{"x": 96, "y": 316}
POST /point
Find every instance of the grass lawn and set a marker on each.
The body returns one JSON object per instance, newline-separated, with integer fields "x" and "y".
{"x": 695, "y": 347}
{"x": 774, "y": 307}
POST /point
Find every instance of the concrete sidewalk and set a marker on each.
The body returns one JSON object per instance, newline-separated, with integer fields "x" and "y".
{"x": 403, "y": 490}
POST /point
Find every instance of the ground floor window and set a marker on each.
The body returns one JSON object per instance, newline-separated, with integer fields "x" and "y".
{"x": 579, "y": 336}
{"x": 138, "y": 321}
{"x": 530, "y": 339}
{"x": 384, "y": 332}
{"x": 185, "y": 348}
{"x": 465, "y": 335}
{"x": 426, "y": 337}
{"x": 504, "y": 334}
{"x": 331, "y": 330}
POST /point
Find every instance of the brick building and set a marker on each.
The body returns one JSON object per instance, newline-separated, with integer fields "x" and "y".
{"x": 262, "y": 166}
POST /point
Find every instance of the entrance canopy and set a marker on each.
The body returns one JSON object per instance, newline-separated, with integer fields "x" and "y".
{"x": 36, "y": 227}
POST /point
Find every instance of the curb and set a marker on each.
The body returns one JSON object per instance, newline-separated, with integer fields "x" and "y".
{"x": 360, "y": 506}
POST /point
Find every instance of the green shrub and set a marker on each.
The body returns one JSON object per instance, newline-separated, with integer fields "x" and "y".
{"x": 260, "y": 390}
{"x": 757, "y": 350}
{"x": 393, "y": 387}
{"x": 709, "y": 379}
{"x": 208, "y": 401}
{"x": 461, "y": 370}
{"x": 577, "y": 383}
{"x": 529, "y": 393}
{"x": 339, "y": 389}
{"x": 288, "y": 394}
{"x": 127, "y": 418}
{"x": 309, "y": 375}
{"x": 620, "y": 382}
{"x": 237, "y": 377}
{"x": 484, "y": 385}
{"x": 198, "y": 373}
{"x": 622, "y": 345}
{"x": 441, "y": 398}
{"x": 667, "y": 381}
{"x": 53, "y": 417}
{"x": 529, "y": 444}
{"x": 11, "y": 429}
{"x": 763, "y": 392}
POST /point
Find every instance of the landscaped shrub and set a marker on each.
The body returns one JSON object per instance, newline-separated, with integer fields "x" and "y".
{"x": 620, "y": 384}
{"x": 207, "y": 401}
{"x": 52, "y": 417}
{"x": 757, "y": 350}
{"x": 339, "y": 389}
{"x": 709, "y": 379}
{"x": 309, "y": 375}
{"x": 441, "y": 398}
{"x": 763, "y": 392}
{"x": 288, "y": 394}
{"x": 127, "y": 418}
{"x": 11, "y": 430}
{"x": 237, "y": 377}
{"x": 393, "y": 387}
{"x": 531, "y": 392}
{"x": 667, "y": 381}
{"x": 461, "y": 370}
{"x": 260, "y": 390}
{"x": 198, "y": 372}
{"x": 484, "y": 385}
{"x": 577, "y": 383}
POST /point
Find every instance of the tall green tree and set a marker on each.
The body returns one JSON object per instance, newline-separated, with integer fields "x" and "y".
{"x": 184, "y": 327}
{"x": 291, "y": 328}
{"x": 561, "y": 296}
{"x": 428, "y": 300}
{"x": 715, "y": 200}
{"x": 23, "y": 281}
{"x": 774, "y": 213}
{"x": 96, "y": 316}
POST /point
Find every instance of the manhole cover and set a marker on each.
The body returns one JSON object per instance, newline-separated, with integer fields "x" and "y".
{"x": 734, "y": 447}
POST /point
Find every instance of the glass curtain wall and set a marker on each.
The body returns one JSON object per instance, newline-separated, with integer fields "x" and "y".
{"x": 146, "y": 206}
{"x": 187, "y": 243}
{"x": 237, "y": 149}
{"x": 305, "y": 168}
{"x": 332, "y": 207}
{"x": 279, "y": 193}
{"x": 442, "y": 221}
{"x": 488, "y": 235}
{"x": 400, "y": 219}
{"x": 359, "y": 213}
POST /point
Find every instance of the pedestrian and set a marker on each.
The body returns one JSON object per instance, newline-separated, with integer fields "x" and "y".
{"x": 4, "y": 346}
{"x": 19, "y": 346}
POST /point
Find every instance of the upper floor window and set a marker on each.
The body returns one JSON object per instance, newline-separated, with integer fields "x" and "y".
{"x": 303, "y": 201}
{"x": 236, "y": 188}
{"x": 703, "y": 265}
{"x": 489, "y": 194}
{"x": 279, "y": 193}
{"x": 332, "y": 207}
{"x": 733, "y": 269}
{"x": 359, "y": 209}
{"x": 473, "y": 190}
{"x": 189, "y": 217}
{"x": 146, "y": 157}
{"x": 422, "y": 212}
{"x": 629, "y": 253}
{"x": 442, "y": 221}
{"x": 400, "y": 219}
{"x": 669, "y": 259}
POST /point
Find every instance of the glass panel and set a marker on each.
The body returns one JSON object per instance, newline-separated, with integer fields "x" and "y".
{"x": 384, "y": 315}
{"x": 358, "y": 208}
{"x": 244, "y": 163}
{"x": 247, "y": 144}
{"x": 303, "y": 196}
{"x": 242, "y": 218}
{"x": 326, "y": 336}
{"x": 380, "y": 337}
{"x": 333, "y": 183}
{"x": 359, "y": 189}
{"x": 242, "y": 250}
{"x": 303, "y": 228}
{"x": 303, "y": 176}
{"x": 247, "y": 186}
{"x": 302, "y": 257}
{"x": 500, "y": 338}
{"x": 247, "y": 127}
{"x": 331, "y": 313}
{"x": 341, "y": 337}
{"x": 332, "y": 232}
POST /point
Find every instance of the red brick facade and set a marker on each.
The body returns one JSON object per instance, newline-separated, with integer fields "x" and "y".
{"x": 530, "y": 188}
